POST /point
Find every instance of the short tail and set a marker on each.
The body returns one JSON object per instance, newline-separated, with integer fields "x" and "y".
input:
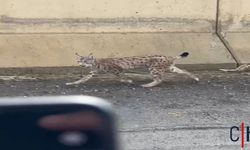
{"x": 183, "y": 55}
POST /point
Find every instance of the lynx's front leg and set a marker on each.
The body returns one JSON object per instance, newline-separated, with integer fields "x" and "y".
{"x": 117, "y": 71}
{"x": 178, "y": 70}
{"x": 83, "y": 80}
{"x": 157, "y": 76}
{"x": 123, "y": 79}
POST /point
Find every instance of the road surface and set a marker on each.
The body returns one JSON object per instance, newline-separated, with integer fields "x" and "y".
{"x": 180, "y": 114}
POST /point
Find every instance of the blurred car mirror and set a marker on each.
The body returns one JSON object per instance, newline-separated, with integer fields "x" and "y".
{"x": 56, "y": 123}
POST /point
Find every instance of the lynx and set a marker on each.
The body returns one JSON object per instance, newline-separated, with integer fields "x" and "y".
{"x": 157, "y": 65}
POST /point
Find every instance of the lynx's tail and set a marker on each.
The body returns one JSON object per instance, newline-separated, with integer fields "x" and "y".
{"x": 183, "y": 55}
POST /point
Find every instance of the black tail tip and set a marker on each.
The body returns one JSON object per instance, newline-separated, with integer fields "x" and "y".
{"x": 185, "y": 54}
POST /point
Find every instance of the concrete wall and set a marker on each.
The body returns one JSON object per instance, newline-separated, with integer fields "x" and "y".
{"x": 47, "y": 33}
{"x": 234, "y": 15}
{"x": 234, "y": 28}
{"x": 57, "y": 16}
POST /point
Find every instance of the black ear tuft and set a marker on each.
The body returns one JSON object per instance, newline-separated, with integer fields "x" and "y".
{"x": 185, "y": 54}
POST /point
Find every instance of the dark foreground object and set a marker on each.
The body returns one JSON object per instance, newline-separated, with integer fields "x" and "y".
{"x": 178, "y": 114}
{"x": 56, "y": 122}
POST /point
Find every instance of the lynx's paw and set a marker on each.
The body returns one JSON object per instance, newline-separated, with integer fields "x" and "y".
{"x": 126, "y": 81}
{"x": 69, "y": 83}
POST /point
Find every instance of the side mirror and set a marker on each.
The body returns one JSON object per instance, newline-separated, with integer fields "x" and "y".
{"x": 56, "y": 123}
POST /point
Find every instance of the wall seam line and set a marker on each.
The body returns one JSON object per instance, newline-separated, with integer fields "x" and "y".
{"x": 222, "y": 39}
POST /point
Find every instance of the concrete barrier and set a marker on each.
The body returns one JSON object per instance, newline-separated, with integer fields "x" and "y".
{"x": 234, "y": 28}
{"x": 107, "y": 16}
{"x": 57, "y": 50}
{"x": 45, "y": 33}
{"x": 234, "y": 15}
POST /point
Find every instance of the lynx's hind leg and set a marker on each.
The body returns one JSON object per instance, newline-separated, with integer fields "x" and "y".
{"x": 157, "y": 75}
{"x": 152, "y": 84}
{"x": 239, "y": 69}
{"x": 178, "y": 70}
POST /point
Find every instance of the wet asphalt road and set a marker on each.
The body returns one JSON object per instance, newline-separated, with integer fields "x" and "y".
{"x": 179, "y": 114}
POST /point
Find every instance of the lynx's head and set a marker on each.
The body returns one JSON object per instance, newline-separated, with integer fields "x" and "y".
{"x": 86, "y": 61}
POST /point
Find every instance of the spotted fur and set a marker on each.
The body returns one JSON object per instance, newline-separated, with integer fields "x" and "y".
{"x": 157, "y": 66}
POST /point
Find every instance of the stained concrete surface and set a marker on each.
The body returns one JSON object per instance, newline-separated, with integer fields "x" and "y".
{"x": 238, "y": 42}
{"x": 44, "y": 16}
{"x": 234, "y": 15}
{"x": 58, "y": 50}
{"x": 179, "y": 114}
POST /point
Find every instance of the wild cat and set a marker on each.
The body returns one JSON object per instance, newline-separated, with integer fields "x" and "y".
{"x": 157, "y": 65}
